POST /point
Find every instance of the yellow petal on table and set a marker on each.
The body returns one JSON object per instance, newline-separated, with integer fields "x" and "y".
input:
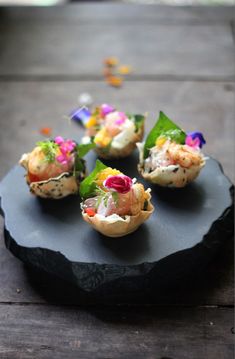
{"x": 124, "y": 69}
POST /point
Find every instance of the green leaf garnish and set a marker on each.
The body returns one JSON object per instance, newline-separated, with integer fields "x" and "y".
{"x": 164, "y": 127}
{"x": 79, "y": 166}
{"x": 138, "y": 121}
{"x": 88, "y": 185}
{"x": 49, "y": 149}
{"x": 83, "y": 149}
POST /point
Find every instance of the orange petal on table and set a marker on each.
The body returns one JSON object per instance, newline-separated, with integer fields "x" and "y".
{"x": 107, "y": 72}
{"x": 111, "y": 61}
{"x": 124, "y": 69}
{"x": 46, "y": 131}
{"x": 114, "y": 81}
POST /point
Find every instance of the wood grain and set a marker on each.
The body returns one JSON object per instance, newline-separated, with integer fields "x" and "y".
{"x": 121, "y": 13}
{"x": 41, "y": 317}
{"x": 151, "y": 49}
{"x": 37, "y": 331}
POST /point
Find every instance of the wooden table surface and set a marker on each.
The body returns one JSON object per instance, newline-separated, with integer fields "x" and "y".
{"x": 184, "y": 64}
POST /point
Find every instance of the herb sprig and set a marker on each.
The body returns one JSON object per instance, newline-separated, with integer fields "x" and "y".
{"x": 50, "y": 149}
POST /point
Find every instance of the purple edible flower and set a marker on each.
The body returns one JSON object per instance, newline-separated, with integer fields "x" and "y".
{"x": 81, "y": 114}
{"x": 121, "y": 119}
{"x": 106, "y": 109}
{"x": 195, "y": 139}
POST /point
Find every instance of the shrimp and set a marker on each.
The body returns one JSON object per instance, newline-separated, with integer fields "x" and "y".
{"x": 39, "y": 169}
{"x": 183, "y": 155}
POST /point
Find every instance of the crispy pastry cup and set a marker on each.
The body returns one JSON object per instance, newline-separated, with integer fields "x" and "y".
{"x": 169, "y": 176}
{"x": 116, "y": 226}
{"x": 55, "y": 188}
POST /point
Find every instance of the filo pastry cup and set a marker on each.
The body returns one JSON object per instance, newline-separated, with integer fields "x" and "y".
{"x": 55, "y": 168}
{"x": 114, "y": 133}
{"x": 114, "y": 204}
{"x": 173, "y": 175}
{"x": 119, "y": 226}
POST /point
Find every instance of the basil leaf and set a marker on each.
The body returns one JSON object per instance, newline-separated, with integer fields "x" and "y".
{"x": 138, "y": 121}
{"x": 83, "y": 149}
{"x": 88, "y": 186}
{"x": 166, "y": 128}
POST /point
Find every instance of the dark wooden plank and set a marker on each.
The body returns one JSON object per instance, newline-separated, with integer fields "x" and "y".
{"x": 25, "y": 107}
{"x": 121, "y": 12}
{"x": 44, "y": 332}
{"x": 78, "y": 49}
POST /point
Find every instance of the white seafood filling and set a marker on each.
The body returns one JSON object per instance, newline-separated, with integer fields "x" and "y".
{"x": 124, "y": 138}
{"x": 113, "y": 218}
{"x": 158, "y": 158}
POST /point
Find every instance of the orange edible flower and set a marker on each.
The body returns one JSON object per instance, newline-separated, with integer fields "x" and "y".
{"x": 115, "y": 81}
{"x": 46, "y": 131}
{"x": 111, "y": 61}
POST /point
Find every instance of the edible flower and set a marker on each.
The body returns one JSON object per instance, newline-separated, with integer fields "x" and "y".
{"x": 65, "y": 149}
{"x": 121, "y": 118}
{"x": 81, "y": 114}
{"x": 102, "y": 138}
{"x": 195, "y": 139}
{"x": 91, "y": 122}
{"x": 107, "y": 172}
{"x": 160, "y": 141}
{"x": 106, "y": 109}
{"x": 124, "y": 69}
{"x": 111, "y": 61}
{"x": 46, "y": 131}
{"x": 115, "y": 81}
{"x": 119, "y": 183}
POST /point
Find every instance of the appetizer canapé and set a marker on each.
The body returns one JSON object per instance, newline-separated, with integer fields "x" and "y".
{"x": 114, "y": 133}
{"x": 169, "y": 157}
{"x": 55, "y": 167}
{"x": 114, "y": 204}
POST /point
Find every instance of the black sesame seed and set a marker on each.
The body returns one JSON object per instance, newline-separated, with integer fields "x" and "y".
{"x": 175, "y": 170}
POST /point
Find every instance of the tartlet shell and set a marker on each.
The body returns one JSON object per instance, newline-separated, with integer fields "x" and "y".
{"x": 117, "y": 226}
{"x": 169, "y": 176}
{"x": 115, "y": 153}
{"x": 56, "y": 187}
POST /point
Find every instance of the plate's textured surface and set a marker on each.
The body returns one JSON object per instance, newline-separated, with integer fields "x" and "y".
{"x": 179, "y": 239}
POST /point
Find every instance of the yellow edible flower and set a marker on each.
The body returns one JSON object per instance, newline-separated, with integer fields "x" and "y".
{"x": 160, "y": 141}
{"x": 91, "y": 122}
{"x": 102, "y": 138}
{"x": 124, "y": 69}
{"x": 105, "y": 173}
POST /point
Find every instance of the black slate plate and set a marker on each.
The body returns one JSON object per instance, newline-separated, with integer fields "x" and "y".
{"x": 179, "y": 239}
